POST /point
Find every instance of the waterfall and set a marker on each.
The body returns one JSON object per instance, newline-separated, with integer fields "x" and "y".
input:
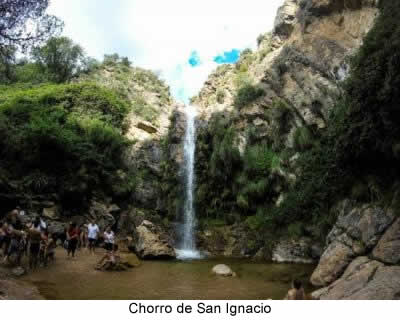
{"x": 188, "y": 246}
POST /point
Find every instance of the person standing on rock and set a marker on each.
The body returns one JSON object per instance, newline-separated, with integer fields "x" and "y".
{"x": 93, "y": 233}
{"x": 72, "y": 237}
{"x": 109, "y": 239}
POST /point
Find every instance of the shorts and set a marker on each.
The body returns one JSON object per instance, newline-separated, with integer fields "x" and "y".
{"x": 34, "y": 249}
{"x": 108, "y": 246}
{"x": 92, "y": 242}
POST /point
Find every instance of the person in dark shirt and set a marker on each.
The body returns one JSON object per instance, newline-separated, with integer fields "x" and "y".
{"x": 72, "y": 237}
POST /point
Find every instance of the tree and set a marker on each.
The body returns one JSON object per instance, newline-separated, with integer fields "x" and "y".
{"x": 113, "y": 59}
{"x": 7, "y": 61}
{"x": 24, "y": 23}
{"x": 60, "y": 58}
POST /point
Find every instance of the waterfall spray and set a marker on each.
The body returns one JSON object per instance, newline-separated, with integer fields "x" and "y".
{"x": 188, "y": 246}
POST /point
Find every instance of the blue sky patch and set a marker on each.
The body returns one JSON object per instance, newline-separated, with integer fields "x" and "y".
{"x": 194, "y": 59}
{"x": 228, "y": 57}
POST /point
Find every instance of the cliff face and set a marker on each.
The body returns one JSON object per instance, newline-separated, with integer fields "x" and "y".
{"x": 149, "y": 121}
{"x": 301, "y": 62}
{"x": 273, "y": 102}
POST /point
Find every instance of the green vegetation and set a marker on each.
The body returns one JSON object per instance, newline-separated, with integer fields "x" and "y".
{"x": 220, "y": 96}
{"x": 232, "y": 186}
{"x": 303, "y": 139}
{"x": 247, "y": 94}
{"x": 356, "y": 155}
{"x": 60, "y": 59}
{"x": 64, "y": 138}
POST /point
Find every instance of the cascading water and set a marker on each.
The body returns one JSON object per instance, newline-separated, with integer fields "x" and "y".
{"x": 188, "y": 246}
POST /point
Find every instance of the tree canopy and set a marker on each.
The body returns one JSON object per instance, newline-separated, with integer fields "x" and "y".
{"x": 60, "y": 58}
{"x": 24, "y": 23}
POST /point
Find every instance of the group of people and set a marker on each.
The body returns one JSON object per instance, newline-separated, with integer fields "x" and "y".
{"x": 87, "y": 236}
{"x": 33, "y": 239}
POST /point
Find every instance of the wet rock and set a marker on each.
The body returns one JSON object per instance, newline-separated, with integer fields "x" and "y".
{"x": 18, "y": 271}
{"x": 388, "y": 247}
{"x": 130, "y": 260}
{"x": 152, "y": 242}
{"x": 223, "y": 270}
{"x": 293, "y": 251}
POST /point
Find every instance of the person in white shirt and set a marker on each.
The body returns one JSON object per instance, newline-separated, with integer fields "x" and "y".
{"x": 109, "y": 239}
{"x": 93, "y": 233}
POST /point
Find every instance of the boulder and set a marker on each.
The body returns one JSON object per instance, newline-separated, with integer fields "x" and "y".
{"x": 365, "y": 223}
{"x": 56, "y": 227}
{"x": 130, "y": 260}
{"x": 388, "y": 247}
{"x": 356, "y": 232}
{"x": 293, "y": 251}
{"x": 51, "y": 213}
{"x": 152, "y": 242}
{"x": 364, "y": 279}
{"x": 332, "y": 264}
{"x": 18, "y": 271}
{"x": 125, "y": 244}
{"x": 223, "y": 270}
{"x": 101, "y": 213}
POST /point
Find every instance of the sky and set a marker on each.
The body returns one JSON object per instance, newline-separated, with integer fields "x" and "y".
{"x": 182, "y": 40}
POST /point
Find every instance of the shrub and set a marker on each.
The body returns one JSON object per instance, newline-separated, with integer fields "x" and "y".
{"x": 247, "y": 94}
{"x": 220, "y": 96}
{"x": 259, "y": 160}
{"x": 302, "y": 138}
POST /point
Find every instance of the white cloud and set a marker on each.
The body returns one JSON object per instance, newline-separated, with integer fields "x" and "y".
{"x": 161, "y": 35}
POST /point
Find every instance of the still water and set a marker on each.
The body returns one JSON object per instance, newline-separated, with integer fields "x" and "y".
{"x": 77, "y": 279}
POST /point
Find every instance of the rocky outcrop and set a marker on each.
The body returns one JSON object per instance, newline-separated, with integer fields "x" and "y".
{"x": 152, "y": 242}
{"x": 364, "y": 279}
{"x": 355, "y": 233}
{"x": 223, "y": 270}
{"x": 295, "y": 251}
{"x": 361, "y": 259}
{"x": 388, "y": 247}
{"x": 285, "y": 19}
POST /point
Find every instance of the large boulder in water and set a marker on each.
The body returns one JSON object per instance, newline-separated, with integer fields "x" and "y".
{"x": 130, "y": 260}
{"x": 152, "y": 242}
{"x": 223, "y": 270}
